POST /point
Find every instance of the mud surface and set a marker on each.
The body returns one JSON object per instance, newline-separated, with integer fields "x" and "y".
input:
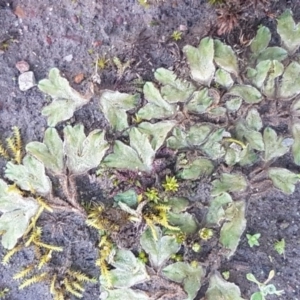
{"x": 70, "y": 35}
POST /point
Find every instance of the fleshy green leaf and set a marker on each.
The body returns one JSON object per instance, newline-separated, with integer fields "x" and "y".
{"x": 220, "y": 289}
{"x": 16, "y": 213}
{"x": 290, "y": 84}
{"x": 126, "y": 294}
{"x": 289, "y": 31}
{"x": 83, "y": 153}
{"x": 198, "y": 133}
{"x": 200, "y": 102}
{"x": 217, "y": 111}
{"x": 223, "y": 78}
{"x": 174, "y": 89}
{"x": 159, "y": 250}
{"x": 228, "y": 183}
{"x": 249, "y": 157}
{"x": 269, "y": 88}
{"x": 283, "y": 179}
{"x": 248, "y": 93}
{"x": 178, "y": 140}
{"x": 272, "y": 53}
{"x": 114, "y": 105}
{"x": 50, "y": 152}
{"x": 260, "y": 73}
{"x": 253, "y": 137}
{"x": 195, "y": 136}
{"x": 234, "y": 103}
{"x": 195, "y": 169}
{"x": 200, "y": 61}
{"x": 232, "y": 230}
{"x": 65, "y": 99}
{"x": 296, "y": 145}
{"x": 213, "y": 147}
{"x": 225, "y": 58}
{"x": 30, "y": 176}
{"x": 216, "y": 212}
{"x": 129, "y": 197}
{"x": 261, "y": 40}
{"x": 253, "y": 120}
{"x": 157, "y": 107}
{"x": 274, "y": 146}
{"x": 257, "y": 296}
{"x": 187, "y": 274}
{"x": 138, "y": 156}
{"x": 129, "y": 270}
{"x": 157, "y": 131}
{"x": 184, "y": 221}
{"x": 177, "y": 204}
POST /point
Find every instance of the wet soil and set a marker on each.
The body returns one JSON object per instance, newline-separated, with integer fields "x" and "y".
{"x": 70, "y": 35}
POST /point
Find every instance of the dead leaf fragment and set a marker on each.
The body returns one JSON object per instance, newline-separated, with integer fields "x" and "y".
{"x": 19, "y": 12}
{"x": 79, "y": 78}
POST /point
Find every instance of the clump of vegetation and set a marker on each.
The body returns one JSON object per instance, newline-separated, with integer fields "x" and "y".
{"x": 279, "y": 247}
{"x": 154, "y": 149}
{"x": 265, "y": 289}
{"x": 253, "y": 239}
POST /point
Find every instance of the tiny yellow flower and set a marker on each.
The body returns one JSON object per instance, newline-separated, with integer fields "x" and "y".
{"x": 171, "y": 184}
{"x": 206, "y": 234}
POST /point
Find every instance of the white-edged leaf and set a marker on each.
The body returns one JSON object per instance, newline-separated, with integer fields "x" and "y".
{"x": 157, "y": 107}
{"x": 29, "y": 176}
{"x": 124, "y": 294}
{"x": 269, "y": 87}
{"x": 247, "y": 92}
{"x": 223, "y": 78}
{"x": 138, "y": 156}
{"x": 234, "y": 227}
{"x": 83, "y": 152}
{"x": 274, "y": 146}
{"x": 190, "y": 276}
{"x": 16, "y": 214}
{"x": 159, "y": 250}
{"x": 213, "y": 147}
{"x": 290, "y": 83}
{"x": 50, "y": 152}
{"x": 157, "y": 131}
{"x": 114, "y": 105}
{"x": 199, "y": 102}
{"x": 296, "y": 145}
{"x": 225, "y": 57}
{"x": 234, "y": 103}
{"x": 65, "y": 99}
{"x": 174, "y": 89}
{"x": 260, "y": 73}
{"x": 216, "y": 212}
{"x": 200, "y": 61}
{"x": 128, "y": 197}
{"x": 196, "y": 168}
{"x": 261, "y": 40}
{"x": 272, "y": 53}
{"x": 128, "y": 271}
{"x": 228, "y": 183}
{"x": 220, "y": 289}
{"x": 289, "y": 32}
{"x": 185, "y": 221}
{"x": 253, "y": 119}
{"x": 283, "y": 179}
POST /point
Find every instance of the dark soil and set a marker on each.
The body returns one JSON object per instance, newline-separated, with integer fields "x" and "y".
{"x": 45, "y": 33}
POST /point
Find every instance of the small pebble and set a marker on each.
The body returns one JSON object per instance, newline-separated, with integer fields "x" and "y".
{"x": 26, "y": 81}
{"x": 22, "y": 66}
{"x": 68, "y": 58}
